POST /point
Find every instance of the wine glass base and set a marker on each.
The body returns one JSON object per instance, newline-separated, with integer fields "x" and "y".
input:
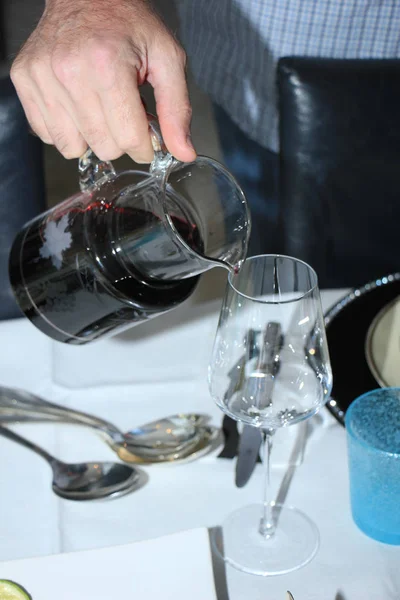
{"x": 240, "y": 544}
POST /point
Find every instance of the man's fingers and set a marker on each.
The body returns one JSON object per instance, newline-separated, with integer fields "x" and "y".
{"x": 94, "y": 129}
{"x": 173, "y": 106}
{"x": 63, "y": 131}
{"x": 36, "y": 121}
{"x": 126, "y": 117}
{"x": 49, "y": 113}
{"x": 105, "y": 100}
{"x": 28, "y": 97}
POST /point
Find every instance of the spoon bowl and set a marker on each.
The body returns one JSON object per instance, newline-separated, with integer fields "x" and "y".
{"x": 170, "y": 434}
{"x": 207, "y": 439}
{"x": 85, "y": 481}
{"x": 88, "y": 481}
{"x": 163, "y": 440}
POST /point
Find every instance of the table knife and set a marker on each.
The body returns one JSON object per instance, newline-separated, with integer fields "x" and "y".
{"x": 229, "y": 425}
{"x": 248, "y": 452}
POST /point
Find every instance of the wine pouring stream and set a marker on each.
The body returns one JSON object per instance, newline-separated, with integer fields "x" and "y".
{"x": 129, "y": 246}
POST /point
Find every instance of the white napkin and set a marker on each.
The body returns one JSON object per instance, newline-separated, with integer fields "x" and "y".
{"x": 175, "y": 566}
{"x": 173, "y": 346}
{"x": 25, "y": 355}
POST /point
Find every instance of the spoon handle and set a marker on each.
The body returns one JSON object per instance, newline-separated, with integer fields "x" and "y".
{"x": 15, "y": 403}
{"x": 15, "y": 437}
{"x": 26, "y": 416}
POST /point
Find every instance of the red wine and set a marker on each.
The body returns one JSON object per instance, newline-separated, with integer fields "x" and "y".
{"x": 76, "y": 283}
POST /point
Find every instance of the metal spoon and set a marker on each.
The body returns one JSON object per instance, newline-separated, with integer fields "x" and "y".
{"x": 207, "y": 439}
{"x": 166, "y": 439}
{"x": 85, "y": 481}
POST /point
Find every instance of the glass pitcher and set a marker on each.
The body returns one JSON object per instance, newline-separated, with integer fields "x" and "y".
{"x": 129, "y": 246}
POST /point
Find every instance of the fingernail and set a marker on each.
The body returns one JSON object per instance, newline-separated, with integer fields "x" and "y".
{"x": 140, "y": 160}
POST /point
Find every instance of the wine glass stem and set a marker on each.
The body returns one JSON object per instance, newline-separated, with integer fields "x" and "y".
{"x": 267, "y": 525}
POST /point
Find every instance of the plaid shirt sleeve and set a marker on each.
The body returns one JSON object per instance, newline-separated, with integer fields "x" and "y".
{"x": 234, "y": 46}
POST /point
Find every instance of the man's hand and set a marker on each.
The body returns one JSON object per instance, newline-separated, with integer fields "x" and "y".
{"x": 79, "y": 73}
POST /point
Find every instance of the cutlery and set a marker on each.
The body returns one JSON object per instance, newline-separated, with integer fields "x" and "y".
{"x": 260, "y": 384}
{"x": 231, "y": 438}
{"x": 229, "y": 425}
{"x": 208, "y": 439}
{"x": 248, "y": 453}
{"x": 251, "y": 437}
{"x": 87, "y": 480}
{"x": 171, "y": 439}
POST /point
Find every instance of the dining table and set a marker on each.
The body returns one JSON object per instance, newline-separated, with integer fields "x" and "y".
{"x": 154, "y": 370}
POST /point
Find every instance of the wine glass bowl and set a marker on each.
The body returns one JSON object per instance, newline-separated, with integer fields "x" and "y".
{"x": 270, "y": 368}
{"x": 255, "y": 297}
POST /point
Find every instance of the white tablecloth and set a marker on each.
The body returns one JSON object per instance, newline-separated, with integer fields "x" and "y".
{"x": 33, "y": 521}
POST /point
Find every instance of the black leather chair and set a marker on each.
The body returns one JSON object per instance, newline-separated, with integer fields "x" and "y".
{"x": 22, "y": 189}
{"x": 340, "y": 166}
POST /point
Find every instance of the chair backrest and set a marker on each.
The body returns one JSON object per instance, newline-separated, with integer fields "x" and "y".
{"x": 22, "y": 189}
{"x": 340, "y": 166}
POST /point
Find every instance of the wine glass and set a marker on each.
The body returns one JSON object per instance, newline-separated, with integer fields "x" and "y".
{"x": 270, "y": 368}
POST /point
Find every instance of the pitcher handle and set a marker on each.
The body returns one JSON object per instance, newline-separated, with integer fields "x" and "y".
{"x": 163, "y": 162}
{"x": 94, "y": 171}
